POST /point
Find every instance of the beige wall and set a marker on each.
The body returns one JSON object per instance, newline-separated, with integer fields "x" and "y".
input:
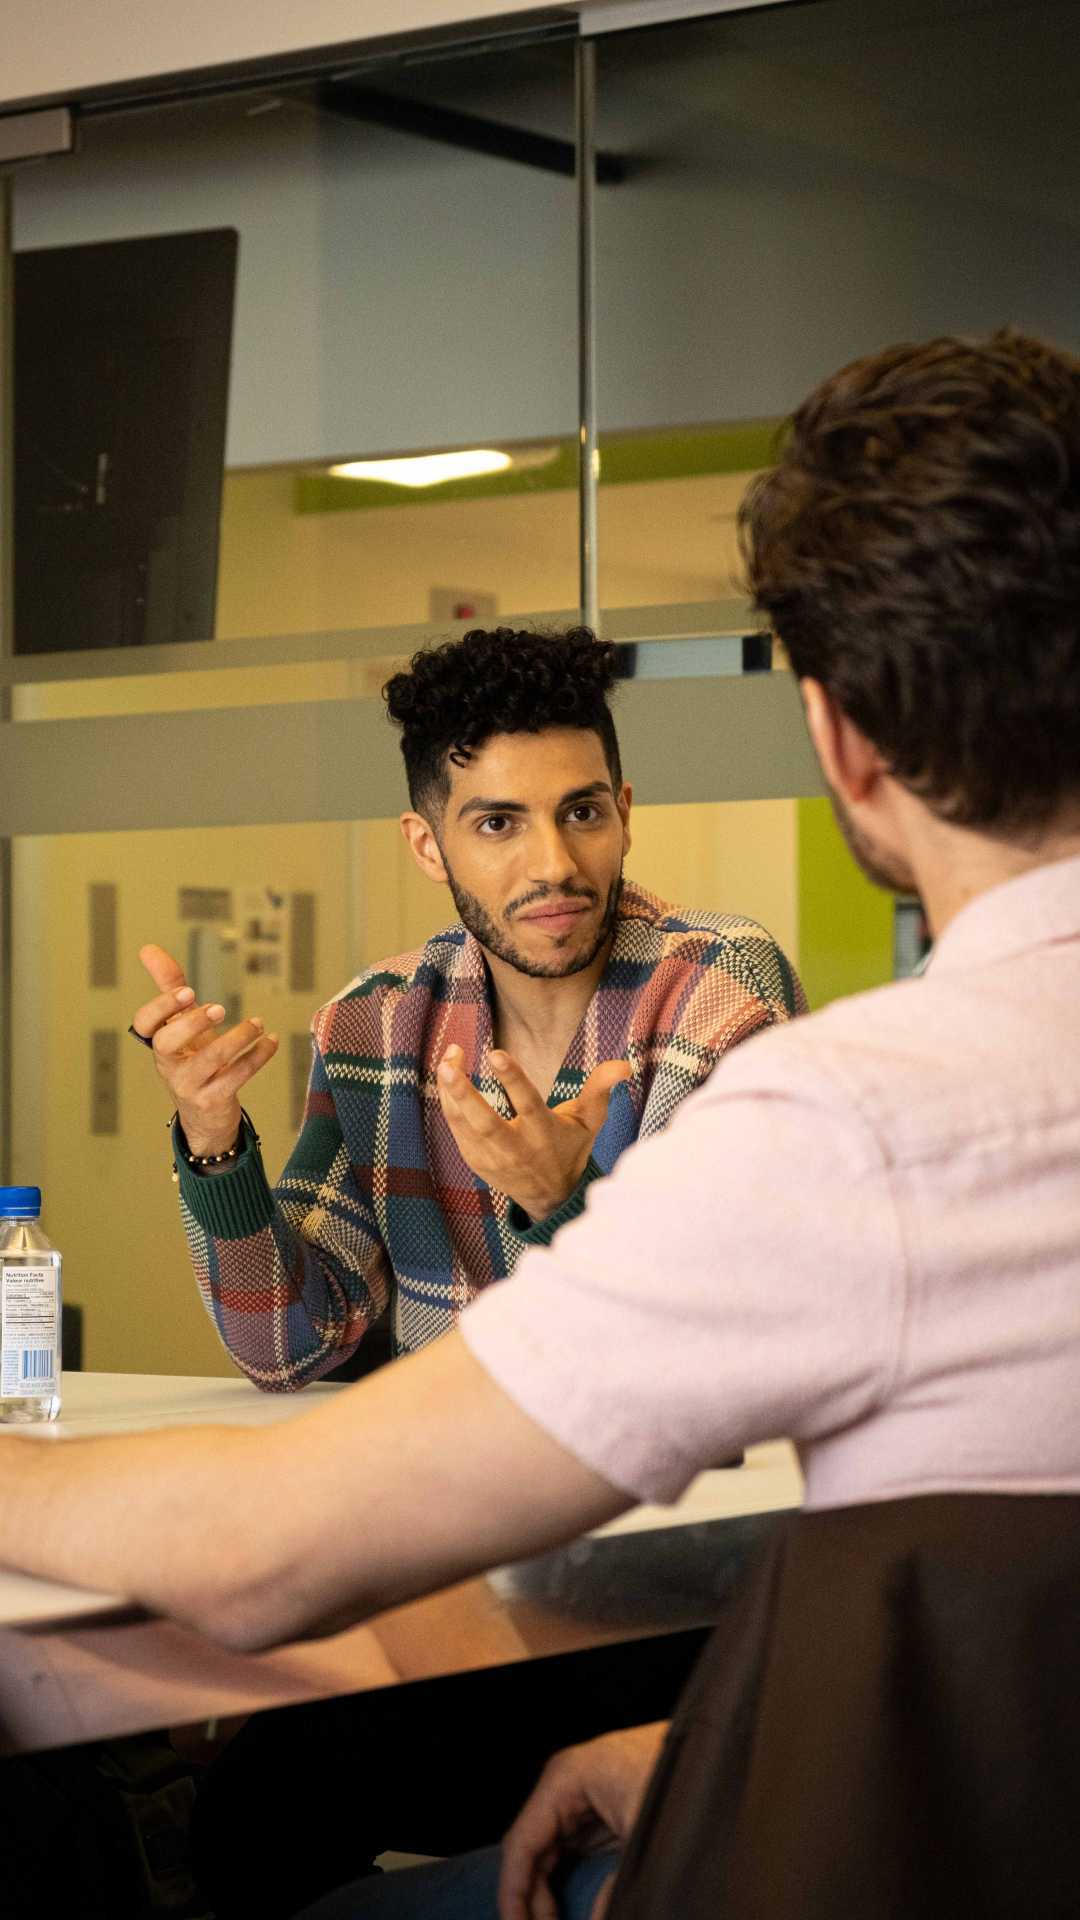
{"x": 108, "y": 1200}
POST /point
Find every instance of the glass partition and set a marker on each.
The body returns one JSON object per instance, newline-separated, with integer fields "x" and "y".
{"x": 805, "y": 184}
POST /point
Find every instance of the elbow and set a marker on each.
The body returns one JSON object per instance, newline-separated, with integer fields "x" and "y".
{"x": 244, "y": 1614}
{"x": 249, "y": 1610}
{"x": 239, "y": 1583}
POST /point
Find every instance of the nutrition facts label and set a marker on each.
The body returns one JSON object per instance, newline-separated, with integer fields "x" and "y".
{"x": 28, "y": 1316}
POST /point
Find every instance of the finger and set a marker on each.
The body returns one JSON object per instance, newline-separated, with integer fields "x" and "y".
{"x": 474, "y": 1134}
{"x": 193, "y": 1070}
{"x": 524, "y": 1096}
{"x": 166, "y": 973}
{"x": 603, "y": 1900}
{"x": 462, "y": 1105}
{"x": 230, "y": 1079}
{"x": 543, "y": 1905}
{"x": 154, "y": 1013}
{"x": 591, "y": 1104}
{"x": 187, "y": 1031}
{"x": 534, "y": 1841}
{"x": 524, "y": 1893}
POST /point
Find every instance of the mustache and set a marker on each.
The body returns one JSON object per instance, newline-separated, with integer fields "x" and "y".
{"x": 540, "y": 894}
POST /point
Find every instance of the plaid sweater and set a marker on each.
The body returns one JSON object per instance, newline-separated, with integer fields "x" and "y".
{"x": 376, "y": 1203}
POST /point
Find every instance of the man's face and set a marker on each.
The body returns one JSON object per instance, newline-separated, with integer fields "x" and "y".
{"x": 532, "y": 840}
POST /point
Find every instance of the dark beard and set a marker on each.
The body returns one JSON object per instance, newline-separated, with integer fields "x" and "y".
{"x": 483, "y": 928}
{"x": 877, "y": 866}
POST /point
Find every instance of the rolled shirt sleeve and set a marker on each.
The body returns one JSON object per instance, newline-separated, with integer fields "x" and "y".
{"x": 738, "y": 1278}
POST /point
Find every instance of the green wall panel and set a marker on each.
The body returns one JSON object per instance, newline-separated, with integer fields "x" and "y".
{"x": 845, "y": 923}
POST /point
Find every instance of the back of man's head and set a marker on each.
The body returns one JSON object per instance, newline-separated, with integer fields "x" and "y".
{"x": 917, "y": 549}
{"x": 456, "y": 697}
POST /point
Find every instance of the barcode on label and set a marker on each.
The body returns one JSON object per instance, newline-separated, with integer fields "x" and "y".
{"x": 37, "y": 1363}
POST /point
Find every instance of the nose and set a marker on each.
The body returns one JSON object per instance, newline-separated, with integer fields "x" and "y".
{"x": 551, "y": 863}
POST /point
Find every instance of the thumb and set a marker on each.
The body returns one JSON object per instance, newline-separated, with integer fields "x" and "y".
{"x": 165, "y": 972}
{"x": 591, "y": 1104}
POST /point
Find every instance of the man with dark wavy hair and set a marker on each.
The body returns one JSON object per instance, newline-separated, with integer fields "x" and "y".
{"x": 462, "y": 1097}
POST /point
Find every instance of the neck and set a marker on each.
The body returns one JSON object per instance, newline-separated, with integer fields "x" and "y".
{"x": 543, "y": 1013}
{"x": 953, "y": 865}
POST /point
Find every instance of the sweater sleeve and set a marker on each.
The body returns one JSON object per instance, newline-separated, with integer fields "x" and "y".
{"x": 292, "y": 1276}
{"x": 541, "y": 1233}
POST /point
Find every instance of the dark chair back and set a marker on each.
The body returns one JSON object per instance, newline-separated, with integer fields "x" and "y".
{"x": 885, "y": 1727}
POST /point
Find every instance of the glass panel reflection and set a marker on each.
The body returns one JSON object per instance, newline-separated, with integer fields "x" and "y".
{"x": 398, "y": 291}
{"x": 806, "y": 183}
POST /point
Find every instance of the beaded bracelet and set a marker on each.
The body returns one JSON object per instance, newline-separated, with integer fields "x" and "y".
{"x": 213, "y": 1159}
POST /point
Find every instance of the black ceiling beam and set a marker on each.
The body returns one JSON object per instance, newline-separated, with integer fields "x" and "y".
{"x": 469, "y": 130}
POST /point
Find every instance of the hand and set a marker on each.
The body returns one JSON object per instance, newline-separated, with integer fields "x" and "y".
{"x": 539, "y": 1156}
{"x": 587, "y": 1797}
{"x": 202, "y": 1068}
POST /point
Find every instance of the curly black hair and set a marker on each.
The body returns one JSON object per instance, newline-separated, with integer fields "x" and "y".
{"x": 457, "y": 696}
{"x": 917, "y": 549}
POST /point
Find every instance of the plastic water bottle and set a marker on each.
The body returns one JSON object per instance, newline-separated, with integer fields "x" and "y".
{"x": 29, "y": 1310}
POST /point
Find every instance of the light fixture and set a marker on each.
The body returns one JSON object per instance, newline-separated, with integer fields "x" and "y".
{"x": 425, "y": 469}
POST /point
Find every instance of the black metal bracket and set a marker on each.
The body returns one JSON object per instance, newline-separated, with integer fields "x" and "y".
{"x": 456, "y": 129}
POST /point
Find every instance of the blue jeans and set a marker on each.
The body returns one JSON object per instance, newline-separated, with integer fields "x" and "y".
{"x": 464, "y": 1888}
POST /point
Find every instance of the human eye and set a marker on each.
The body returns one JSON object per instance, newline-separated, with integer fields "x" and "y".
{"x": 585, "y": 814}
{"x": 495, "y": 826}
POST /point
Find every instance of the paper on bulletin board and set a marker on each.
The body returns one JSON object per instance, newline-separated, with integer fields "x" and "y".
{"x": 263, "y": 927}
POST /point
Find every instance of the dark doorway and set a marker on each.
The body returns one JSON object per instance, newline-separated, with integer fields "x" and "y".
{"x": 121, "y": 393}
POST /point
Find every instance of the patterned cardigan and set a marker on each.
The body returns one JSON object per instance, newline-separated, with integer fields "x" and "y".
{"x": 376, "y": 1203}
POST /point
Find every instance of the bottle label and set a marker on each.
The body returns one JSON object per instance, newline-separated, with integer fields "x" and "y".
{"x": 28, "y": 1316}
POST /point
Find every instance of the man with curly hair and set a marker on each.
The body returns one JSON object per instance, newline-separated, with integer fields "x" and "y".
{"x": 462, "y": 1097}
{"x": 462, "y": 1100}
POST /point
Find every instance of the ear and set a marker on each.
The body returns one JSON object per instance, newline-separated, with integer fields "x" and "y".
{"x": 424, "y": 847}
{"x": 850, "y": 762}
{"x": 623, "y": 802}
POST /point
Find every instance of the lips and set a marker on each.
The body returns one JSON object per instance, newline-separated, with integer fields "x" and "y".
{"x": 558, "y": 916}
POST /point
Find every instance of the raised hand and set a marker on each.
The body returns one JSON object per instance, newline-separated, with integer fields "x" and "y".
{"x": 539, "y": 1156}
{"x": 202, "y": 1067}
{"x": 587, "y": 1797}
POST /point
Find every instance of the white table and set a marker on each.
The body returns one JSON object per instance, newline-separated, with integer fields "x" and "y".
{"x": 77, "y": 1665}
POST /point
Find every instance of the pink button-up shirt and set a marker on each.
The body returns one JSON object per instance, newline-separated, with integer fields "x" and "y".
{"x": 863, "y": 1233}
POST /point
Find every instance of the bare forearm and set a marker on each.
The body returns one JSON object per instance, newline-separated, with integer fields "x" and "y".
{"x": 163, "y": 1519}
{"x": 260, "y": 1537}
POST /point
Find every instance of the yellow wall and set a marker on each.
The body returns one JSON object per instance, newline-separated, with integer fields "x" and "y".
{"x": 108, "y": 1200}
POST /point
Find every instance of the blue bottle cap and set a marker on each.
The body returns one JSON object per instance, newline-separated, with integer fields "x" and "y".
{"x": 17, "y": 1203}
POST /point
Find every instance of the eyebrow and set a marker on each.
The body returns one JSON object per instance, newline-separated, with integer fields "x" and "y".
{"x": 481, "y": 805}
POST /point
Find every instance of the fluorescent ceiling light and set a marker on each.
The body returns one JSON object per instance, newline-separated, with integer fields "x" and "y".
{"x": 425, "y": 469}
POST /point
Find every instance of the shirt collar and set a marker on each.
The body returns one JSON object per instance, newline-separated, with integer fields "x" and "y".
{"x": 1033, "y": 910}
